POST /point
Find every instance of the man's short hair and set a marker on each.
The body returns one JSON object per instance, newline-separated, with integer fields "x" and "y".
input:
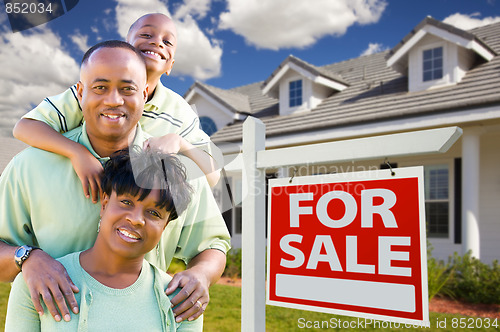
{"x": 139, "y": 171}
{"x": 112, "y": 44}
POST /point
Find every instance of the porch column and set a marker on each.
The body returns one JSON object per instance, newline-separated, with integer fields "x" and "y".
{"x": 470, "y": 191}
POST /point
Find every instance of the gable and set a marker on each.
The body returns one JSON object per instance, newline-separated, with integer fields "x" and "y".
{"x": 460, "y": 51}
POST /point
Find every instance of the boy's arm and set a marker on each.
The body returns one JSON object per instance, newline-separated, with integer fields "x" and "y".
{"x": 40, "y": 135}
{"x": 173, "y": 143}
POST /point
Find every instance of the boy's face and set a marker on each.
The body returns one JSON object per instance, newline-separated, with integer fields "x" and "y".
{"x": 132, "y": 228}
{"x": 112, "y": 91}
{"x": 156, "y": 37}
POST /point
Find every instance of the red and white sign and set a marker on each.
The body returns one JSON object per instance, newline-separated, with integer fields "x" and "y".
{"x": 350, "y": 244}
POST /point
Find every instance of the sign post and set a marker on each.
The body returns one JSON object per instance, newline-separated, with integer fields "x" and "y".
{"x": 257, "y": 159}
{"x": 351, "y": 244}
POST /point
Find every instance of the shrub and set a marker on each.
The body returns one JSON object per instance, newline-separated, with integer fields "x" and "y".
{"x": 233, "y": 264}
{"x": 438, "y": 275}
{"x": 474, "y": 281}
{"x": 176, "y": 265}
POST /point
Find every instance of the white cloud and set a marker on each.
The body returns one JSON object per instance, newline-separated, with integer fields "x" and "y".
{"x": 197, "y": 55}
{"x": 195, "y": 8}
{"x": 296, "y": 23}
{"x": 81, "y": 41}
{"x": 373, "y": 48}
{"x": 127, "y": 11}
{"x": 467, "y": 22}
{"x": 34, "y": 66}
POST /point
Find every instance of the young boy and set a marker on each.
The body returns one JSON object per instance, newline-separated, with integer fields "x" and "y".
{"x": 167, "y": 116}
{"x": 120, "y": 291}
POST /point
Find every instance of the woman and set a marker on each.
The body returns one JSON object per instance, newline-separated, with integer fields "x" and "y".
{"x": 119, "y": 290}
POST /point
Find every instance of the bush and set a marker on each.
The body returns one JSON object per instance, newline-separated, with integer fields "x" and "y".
{"x": 474, "y": 281}
{"x": 233, "y": 264}
{"x": 176, "y": 265}
{"x": 438, "y": 275}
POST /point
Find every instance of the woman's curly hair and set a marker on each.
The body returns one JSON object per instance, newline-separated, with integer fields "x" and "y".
{"x": 137, "y": 172}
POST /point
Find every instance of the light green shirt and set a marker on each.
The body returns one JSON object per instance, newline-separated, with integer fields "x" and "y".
{"x": 143, "y": 306}
{"x": 42, "y": 204}
{"x": 166, "y": 113}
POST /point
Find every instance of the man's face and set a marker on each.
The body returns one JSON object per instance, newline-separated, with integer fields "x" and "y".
{"x": 156, "y": 37}
{"x": 112, "y": 92}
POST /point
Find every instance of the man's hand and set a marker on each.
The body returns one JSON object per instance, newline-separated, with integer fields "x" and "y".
{"x": 47, "y": 277}
{"x": 193, "y": 298}
{"x": 202, "y": 271}
{"x": 89, "y": 170}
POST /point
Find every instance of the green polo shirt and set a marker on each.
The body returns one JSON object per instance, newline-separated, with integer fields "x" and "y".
{"x": 142, "y": 306}
{"x": 42, "y": 204}
{"x": 166, "y": 113}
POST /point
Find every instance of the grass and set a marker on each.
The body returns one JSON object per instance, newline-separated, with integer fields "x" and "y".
{"x": 223, "y": 315}
{"x": 4, "y": 297}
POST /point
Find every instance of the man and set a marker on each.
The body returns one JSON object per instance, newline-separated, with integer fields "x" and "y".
{"x": 41, "y": 203}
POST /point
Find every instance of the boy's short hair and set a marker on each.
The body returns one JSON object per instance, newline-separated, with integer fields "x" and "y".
{"x": 112, "y": 44}
{"x": 137, "y": 172}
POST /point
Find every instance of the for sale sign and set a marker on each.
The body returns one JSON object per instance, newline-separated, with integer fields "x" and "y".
{"x": 351, "y": 244}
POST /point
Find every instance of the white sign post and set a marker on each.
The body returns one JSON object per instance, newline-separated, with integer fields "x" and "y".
{"x": 257, "y": 160}
{"x": 351, "y": 244}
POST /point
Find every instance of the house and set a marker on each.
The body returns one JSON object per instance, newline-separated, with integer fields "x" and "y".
{"x": 437, "y": 76}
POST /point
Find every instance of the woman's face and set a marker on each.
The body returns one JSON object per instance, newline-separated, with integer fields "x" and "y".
{"x": 130, "y": 227}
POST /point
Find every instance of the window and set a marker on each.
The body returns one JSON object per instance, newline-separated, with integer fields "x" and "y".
{"x": 208, "y": 125}
{"x": 437, "y": 200}
{"x": 433, "y": 64}
{"x": 238, "y": 190}
{"x": 237, "y": 210}
{"x": 295, "y": 88}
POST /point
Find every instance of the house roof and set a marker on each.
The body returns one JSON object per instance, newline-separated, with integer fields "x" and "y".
{"x": 377, "y": 92}
{"x": 230, "y": 99}
{"x": 307, "y": 69}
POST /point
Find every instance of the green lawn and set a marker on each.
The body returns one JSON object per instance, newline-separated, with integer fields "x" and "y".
{"x": 223, "y": 315}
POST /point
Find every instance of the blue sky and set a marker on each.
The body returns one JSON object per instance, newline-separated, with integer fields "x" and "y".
{"x": 225, "y": 43}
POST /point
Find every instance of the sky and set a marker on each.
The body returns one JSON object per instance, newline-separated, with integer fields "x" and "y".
{"x": 224, "y": 43}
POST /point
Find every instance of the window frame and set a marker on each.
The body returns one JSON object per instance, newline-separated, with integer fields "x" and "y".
{"x": 448, "y": 200}
{"x": 204, "y": 117}
{"x": 295, "y": 99}
{"x": 433, "y": 58}
{"x": 416, "y": 67}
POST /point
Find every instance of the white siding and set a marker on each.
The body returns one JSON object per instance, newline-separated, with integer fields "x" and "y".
{"x": 489, "y": 201}
{"x": 457, "y": 60}
{"x": 290, "y": 76}
{"x": 205, "y": 108}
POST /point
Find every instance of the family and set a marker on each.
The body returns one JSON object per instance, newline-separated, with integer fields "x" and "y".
{"x": 92, "y": 217}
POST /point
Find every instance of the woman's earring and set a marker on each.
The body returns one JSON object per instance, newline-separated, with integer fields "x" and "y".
{"x": 158, "y": 250}
{"x": 99, "y": 226}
